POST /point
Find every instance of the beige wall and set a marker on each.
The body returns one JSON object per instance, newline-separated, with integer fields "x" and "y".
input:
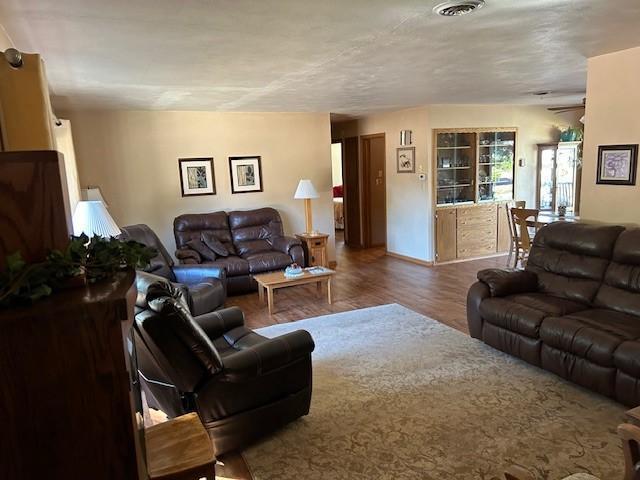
{"x": 407, "y": 196}
{"x": 612, "y": 117}
{"x": 133, "y": 157}
{"x": 409, "y": 201}
{"x": 64, "y": 144}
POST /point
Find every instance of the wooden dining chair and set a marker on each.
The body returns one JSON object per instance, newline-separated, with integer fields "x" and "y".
{"x": 525, "y": 225}
{"x": 513, "y": 245}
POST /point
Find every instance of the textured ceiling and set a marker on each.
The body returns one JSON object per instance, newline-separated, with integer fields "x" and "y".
{"x": 344, "y": 56}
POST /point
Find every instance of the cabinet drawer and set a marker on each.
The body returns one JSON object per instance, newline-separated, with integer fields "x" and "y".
{"x": 476, "y": 250}
{"x": 477, "y": 215}
{"x": 474, "y": 233}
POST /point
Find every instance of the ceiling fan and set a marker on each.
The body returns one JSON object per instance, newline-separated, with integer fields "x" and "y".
{"x": 569, "y": 108}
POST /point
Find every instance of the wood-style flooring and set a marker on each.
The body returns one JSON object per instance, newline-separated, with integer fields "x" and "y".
{"x": 366, "y": 278}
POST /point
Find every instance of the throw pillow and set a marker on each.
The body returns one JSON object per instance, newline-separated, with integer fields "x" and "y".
{"x": 214, "y": 244}
{"x": 204, "y": 251}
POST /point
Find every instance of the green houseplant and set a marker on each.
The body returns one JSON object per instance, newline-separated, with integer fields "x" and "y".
{"x": 84, "y": 260}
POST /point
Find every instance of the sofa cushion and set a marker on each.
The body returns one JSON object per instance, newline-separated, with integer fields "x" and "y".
{"x": 204, "y": 251}
{"x": 593, "y": 334}
{"x": 523, "y": 313}
{"x": 627, "y": 357}
{"x": 267, "y": 261}
{"x": 235, "y": 266}
{"x": 253, "y": 230}
{"x": 621, "y": 288}
{"x": 571, "y": 259}
{"x": 192, "y": 225}
{"x": 210, "y": 240}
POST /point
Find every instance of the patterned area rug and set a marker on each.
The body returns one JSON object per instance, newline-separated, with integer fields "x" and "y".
{"x": 400, "y": 396}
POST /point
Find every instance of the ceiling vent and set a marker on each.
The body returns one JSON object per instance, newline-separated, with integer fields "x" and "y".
{"x": 458, "y": 8}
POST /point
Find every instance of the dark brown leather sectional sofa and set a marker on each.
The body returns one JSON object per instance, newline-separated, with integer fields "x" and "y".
{"x": 574, "y": 310}
{"x": 254, "y": 239}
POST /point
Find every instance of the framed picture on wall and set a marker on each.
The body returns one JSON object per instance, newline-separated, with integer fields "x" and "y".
{"x": 617, "y": 164}
{"x": 406, "y": 157}
{"x": 246, "y": 174}
{"x": 197, "y": 176}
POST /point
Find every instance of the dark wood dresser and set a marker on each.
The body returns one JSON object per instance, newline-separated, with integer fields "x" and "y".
{"x": 69, "y": 397}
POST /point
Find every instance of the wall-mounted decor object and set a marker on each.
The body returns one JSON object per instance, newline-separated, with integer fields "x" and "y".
{"x": 405, "y": 137}
{"x": 406, "y": 159}
{"x": 617, "y": 164}
{"x": 246, "y": 174}
{"x": 197, "y": 176}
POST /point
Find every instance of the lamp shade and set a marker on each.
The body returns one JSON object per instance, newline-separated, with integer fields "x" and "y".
{"x": 93, "y": 219}
{"x": 305, "y": 190}
{"x": 93, "y": 193}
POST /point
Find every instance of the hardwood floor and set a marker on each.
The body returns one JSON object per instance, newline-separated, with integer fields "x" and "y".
{"x": 366, "y": 278}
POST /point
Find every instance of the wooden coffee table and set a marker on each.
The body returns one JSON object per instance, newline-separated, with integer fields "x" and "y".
{"x": 274, "y": 280}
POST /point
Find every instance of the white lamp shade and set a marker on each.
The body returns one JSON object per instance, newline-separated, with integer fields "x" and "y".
{"x": 93, "y": 219}
{"x": 93, "y": 193}
{"x": 305, "y": 190}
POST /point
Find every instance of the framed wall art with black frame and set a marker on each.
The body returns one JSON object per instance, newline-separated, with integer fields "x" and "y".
{"x": 617, "y": 164}
{"x": 246, "y": 174}
{"x": 197, "y": 176}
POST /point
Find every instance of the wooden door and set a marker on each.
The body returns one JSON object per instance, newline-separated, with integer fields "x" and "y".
{"x": 446, "y": 235}
{"x": 351, "y": 182}
{"x": 374, "y": 181}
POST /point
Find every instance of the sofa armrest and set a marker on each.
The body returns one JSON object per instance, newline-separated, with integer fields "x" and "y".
{"x": 477, "y": 293}
{"x": 215, "y": 324}
{"x": 503, "y": 282}
{"x": 144, "y": 280}
{"x": 190, "y": 274}
{"x": 188, "y": 256}
{"x": 285, "y": 244}
{"x": 267, "y": 356}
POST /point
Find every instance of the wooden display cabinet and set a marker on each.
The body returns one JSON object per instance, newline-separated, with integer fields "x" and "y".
{"x": 473, "y": 179}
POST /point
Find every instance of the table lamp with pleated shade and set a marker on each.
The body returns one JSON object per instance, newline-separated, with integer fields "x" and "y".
{"x": 306, "y": 191}
{"x": 92, "y": 218}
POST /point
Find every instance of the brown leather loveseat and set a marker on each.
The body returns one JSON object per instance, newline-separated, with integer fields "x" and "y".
{"x": 244, "y": 243}
{"x": 574, "y": 310}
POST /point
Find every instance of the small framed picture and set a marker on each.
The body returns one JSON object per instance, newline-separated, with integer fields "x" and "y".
{"x": 617, "y": 164}
{"x": 246, "y": 174}
{"x": 197, "y": 176}
{"x": 406, "y": 159}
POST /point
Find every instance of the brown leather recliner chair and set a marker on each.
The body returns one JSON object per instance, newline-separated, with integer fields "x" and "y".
{"x": 241, "y": 384}
{"x": 574, "y": 310}
{"x": 254, "y": 239}
{"x": 204, "y": 286}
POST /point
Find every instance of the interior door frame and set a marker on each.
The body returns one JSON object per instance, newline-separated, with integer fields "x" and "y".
{"x": 366, "y": 190}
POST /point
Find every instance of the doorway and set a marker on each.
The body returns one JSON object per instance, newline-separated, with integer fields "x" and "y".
{"x": 374, "y": 211}
{"x": 338, "y": 190}
{"x": 558, "y": 179}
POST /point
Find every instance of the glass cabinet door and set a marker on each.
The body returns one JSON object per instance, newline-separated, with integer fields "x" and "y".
{"x": 496, "y": 153}
{"x": 455, "y": 163}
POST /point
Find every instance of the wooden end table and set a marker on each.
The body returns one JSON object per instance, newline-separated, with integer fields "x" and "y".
{"x": 315, "y": 248}
{"x": 180, "y": 449}
{"x": 274, "y": 280}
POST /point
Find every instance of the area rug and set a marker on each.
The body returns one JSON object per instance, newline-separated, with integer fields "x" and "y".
{"x": 397, "y": 395}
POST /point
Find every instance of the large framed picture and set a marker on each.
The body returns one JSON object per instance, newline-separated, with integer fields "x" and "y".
{"x": 617, "y": 164}
{"x": 197, "y": 176}
{"x": 406, "y": 157}
{"x": 246, "y": 174}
